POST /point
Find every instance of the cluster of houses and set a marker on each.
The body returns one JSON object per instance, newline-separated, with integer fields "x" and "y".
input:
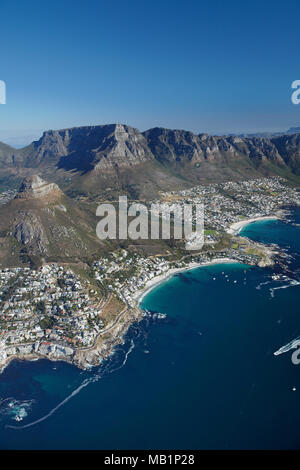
{"x": 224, "y": 204}
{"x": 128, "y": 273}
{"x": 47, "y": 311}
{"x": 227, "y": 203}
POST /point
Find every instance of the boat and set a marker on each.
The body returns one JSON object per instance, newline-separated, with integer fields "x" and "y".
{"x": 161, "y": 315}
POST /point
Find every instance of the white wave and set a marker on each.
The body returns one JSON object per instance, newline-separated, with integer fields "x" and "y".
{"x": 15, "y": 409}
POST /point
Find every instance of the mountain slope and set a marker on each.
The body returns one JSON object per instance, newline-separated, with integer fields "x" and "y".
{"x": 203, "y": 158}
{"x": 289, "y": 148}
{"x": 42, "y": 223}
{"x": 104, "y": 161}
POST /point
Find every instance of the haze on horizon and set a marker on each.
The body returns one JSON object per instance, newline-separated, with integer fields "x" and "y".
{"x": 221, "y": 67}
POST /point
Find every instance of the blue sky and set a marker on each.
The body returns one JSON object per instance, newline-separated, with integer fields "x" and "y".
{"x": 205, "y": 66}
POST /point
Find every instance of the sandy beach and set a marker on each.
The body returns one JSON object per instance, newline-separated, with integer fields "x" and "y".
{"x": 235, "y": 228}
{"x": 154, "y": 282}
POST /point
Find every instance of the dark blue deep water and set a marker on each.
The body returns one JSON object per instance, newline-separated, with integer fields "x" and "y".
{"x": 205, "y": 377}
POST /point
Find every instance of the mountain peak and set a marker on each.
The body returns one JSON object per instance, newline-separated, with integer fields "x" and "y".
{"x": 35, "y": 187}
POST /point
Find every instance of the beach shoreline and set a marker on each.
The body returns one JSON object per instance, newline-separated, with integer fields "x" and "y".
{"x": 157, "y": 280}
{"x": 236, "y": 227}
{"x": 138, "y": 296}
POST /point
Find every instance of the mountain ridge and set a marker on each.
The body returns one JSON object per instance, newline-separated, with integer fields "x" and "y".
{"x": 93, "y": 160}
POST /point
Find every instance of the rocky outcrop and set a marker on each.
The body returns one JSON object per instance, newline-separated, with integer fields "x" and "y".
{"x": 30, "y": 232}
{"x": 107, "y": 341}
{"x": 35, "y": 187}
{"x": 122, "y": 147}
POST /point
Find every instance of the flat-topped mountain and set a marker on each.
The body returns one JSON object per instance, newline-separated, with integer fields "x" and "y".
{"x": 89, "y": 148}
{"x": 111, "y": 159}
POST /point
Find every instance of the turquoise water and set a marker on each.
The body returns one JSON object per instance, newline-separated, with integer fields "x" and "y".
{"x": 204, "y": 377}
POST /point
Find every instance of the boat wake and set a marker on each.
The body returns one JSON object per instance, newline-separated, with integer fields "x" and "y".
{"x": 112, "y": 364}
{"x": 75, "y": 392}
{"x": 262, "y": 284}
{"x": 287, "y": 347}
{"x": 292, "y": 283}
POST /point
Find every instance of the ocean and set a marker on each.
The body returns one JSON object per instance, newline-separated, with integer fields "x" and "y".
{"x": 203, "y": 377}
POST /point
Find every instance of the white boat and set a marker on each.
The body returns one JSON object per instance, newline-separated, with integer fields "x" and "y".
{"x": 161, "y": 315}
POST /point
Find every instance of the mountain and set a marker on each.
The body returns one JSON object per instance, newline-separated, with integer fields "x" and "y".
{"x": 91, "y": 161}
{"x": 42, "y": 223}
{"x": 104, "y": 161}
{"x": 203, "y": 158}
{"x": 20, "y": 141}
{"x": 292, "y": 130}
{"x": 89, "y": 148}
{"x": 289, "y": 148}
{"x": 34, "y": 187}
{"x": 269, "y": 135}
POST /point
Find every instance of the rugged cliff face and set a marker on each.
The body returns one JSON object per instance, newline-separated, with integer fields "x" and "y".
{"x": 108, "y": 147}
{"x": 289, "y": 148}
{"x": 89, "y": 148}
{"x": 203, "y": 158}
{"x": 168, "y": 145}
{"x": 116, "y": 158}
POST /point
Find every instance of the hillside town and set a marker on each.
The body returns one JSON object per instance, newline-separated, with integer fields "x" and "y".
{"x": 53, "y": 312}
{"x": 128, "y": 275}
{"x": 47, "y": 311}
{"x": 227, "y": 203}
